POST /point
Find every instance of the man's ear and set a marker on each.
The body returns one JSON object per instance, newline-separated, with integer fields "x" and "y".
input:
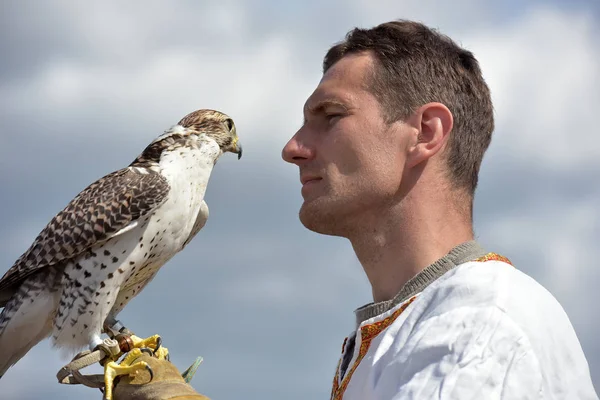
{"x": 433, "y": 122}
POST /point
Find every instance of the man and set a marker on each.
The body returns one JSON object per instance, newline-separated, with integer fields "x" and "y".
{"x": 389, "y": 155}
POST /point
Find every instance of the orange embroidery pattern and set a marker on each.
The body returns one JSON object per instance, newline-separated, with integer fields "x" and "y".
{"x": 335, "y": 384}
{"x": 493, "y": 257}
{"x": 337, "y": 369}
{"x": 367, "y": 333}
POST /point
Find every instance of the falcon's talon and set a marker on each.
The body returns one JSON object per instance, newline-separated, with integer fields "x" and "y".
{"x": 154, "y": 343}
{"x": 112, "y": 370}
{"x": 162, "y": 353}
{"x": 158, "y": 343}
{"x": 150, "y": 372}
{"x": 147, "y": 351}
{"x": 149, "y": 342}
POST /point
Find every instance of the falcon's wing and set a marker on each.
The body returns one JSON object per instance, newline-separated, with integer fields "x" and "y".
{"x": 96, "y": 214}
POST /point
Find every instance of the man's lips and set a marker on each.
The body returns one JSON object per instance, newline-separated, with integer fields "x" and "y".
{"x": 308, "y": 182}
{"x": 309, "y": 178}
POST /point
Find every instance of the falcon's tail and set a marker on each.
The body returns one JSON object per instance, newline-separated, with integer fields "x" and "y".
{"x": 25, "y": 320}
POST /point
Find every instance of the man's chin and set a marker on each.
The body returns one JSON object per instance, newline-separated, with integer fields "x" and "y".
{"x": 320, "y": 219}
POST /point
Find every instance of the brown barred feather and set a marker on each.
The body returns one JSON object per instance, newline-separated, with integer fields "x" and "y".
{"x": 100, "y": 210}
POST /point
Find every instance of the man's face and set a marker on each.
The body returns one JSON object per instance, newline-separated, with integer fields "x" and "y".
{"x": 351, "y": 162}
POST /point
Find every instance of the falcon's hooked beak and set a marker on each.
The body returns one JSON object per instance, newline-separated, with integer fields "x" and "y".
{"x": 236, "y": 145}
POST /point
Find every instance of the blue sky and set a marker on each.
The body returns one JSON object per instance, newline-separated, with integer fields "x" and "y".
{"x": 83, "y": 89}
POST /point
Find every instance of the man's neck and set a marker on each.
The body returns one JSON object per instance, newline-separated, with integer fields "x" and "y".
{"x": 394, "y": 249}
{"x": 464, "y": 252}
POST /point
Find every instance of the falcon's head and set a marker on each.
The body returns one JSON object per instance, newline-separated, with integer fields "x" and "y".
{"x": 216, "y": 125}
{"x": 201, "y": 123}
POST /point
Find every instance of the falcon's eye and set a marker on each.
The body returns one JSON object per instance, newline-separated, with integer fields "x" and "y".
{"x": 229, "y": 123}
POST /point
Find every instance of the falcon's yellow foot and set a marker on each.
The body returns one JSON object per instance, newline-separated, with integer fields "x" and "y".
{"x": 112, "y": 370}
{"x": 153, "y": 343}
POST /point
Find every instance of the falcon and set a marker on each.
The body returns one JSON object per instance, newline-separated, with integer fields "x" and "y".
{"x": 109, "y": 242}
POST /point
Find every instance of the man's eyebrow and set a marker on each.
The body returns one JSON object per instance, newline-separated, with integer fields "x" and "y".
{"x": 321, "y": 105}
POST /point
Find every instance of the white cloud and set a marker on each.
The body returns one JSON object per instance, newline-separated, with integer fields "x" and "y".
{"x": 544, "y": 73}
{"x": 323, "y": 273}
{"x": 128, "y": 77}
{"x": 562, "y": 235}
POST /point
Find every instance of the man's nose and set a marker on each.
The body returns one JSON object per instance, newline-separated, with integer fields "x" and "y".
{"x": 297, "y": 151}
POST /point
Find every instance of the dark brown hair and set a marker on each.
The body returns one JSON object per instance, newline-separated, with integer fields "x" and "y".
{"x": 416, "y": 65}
